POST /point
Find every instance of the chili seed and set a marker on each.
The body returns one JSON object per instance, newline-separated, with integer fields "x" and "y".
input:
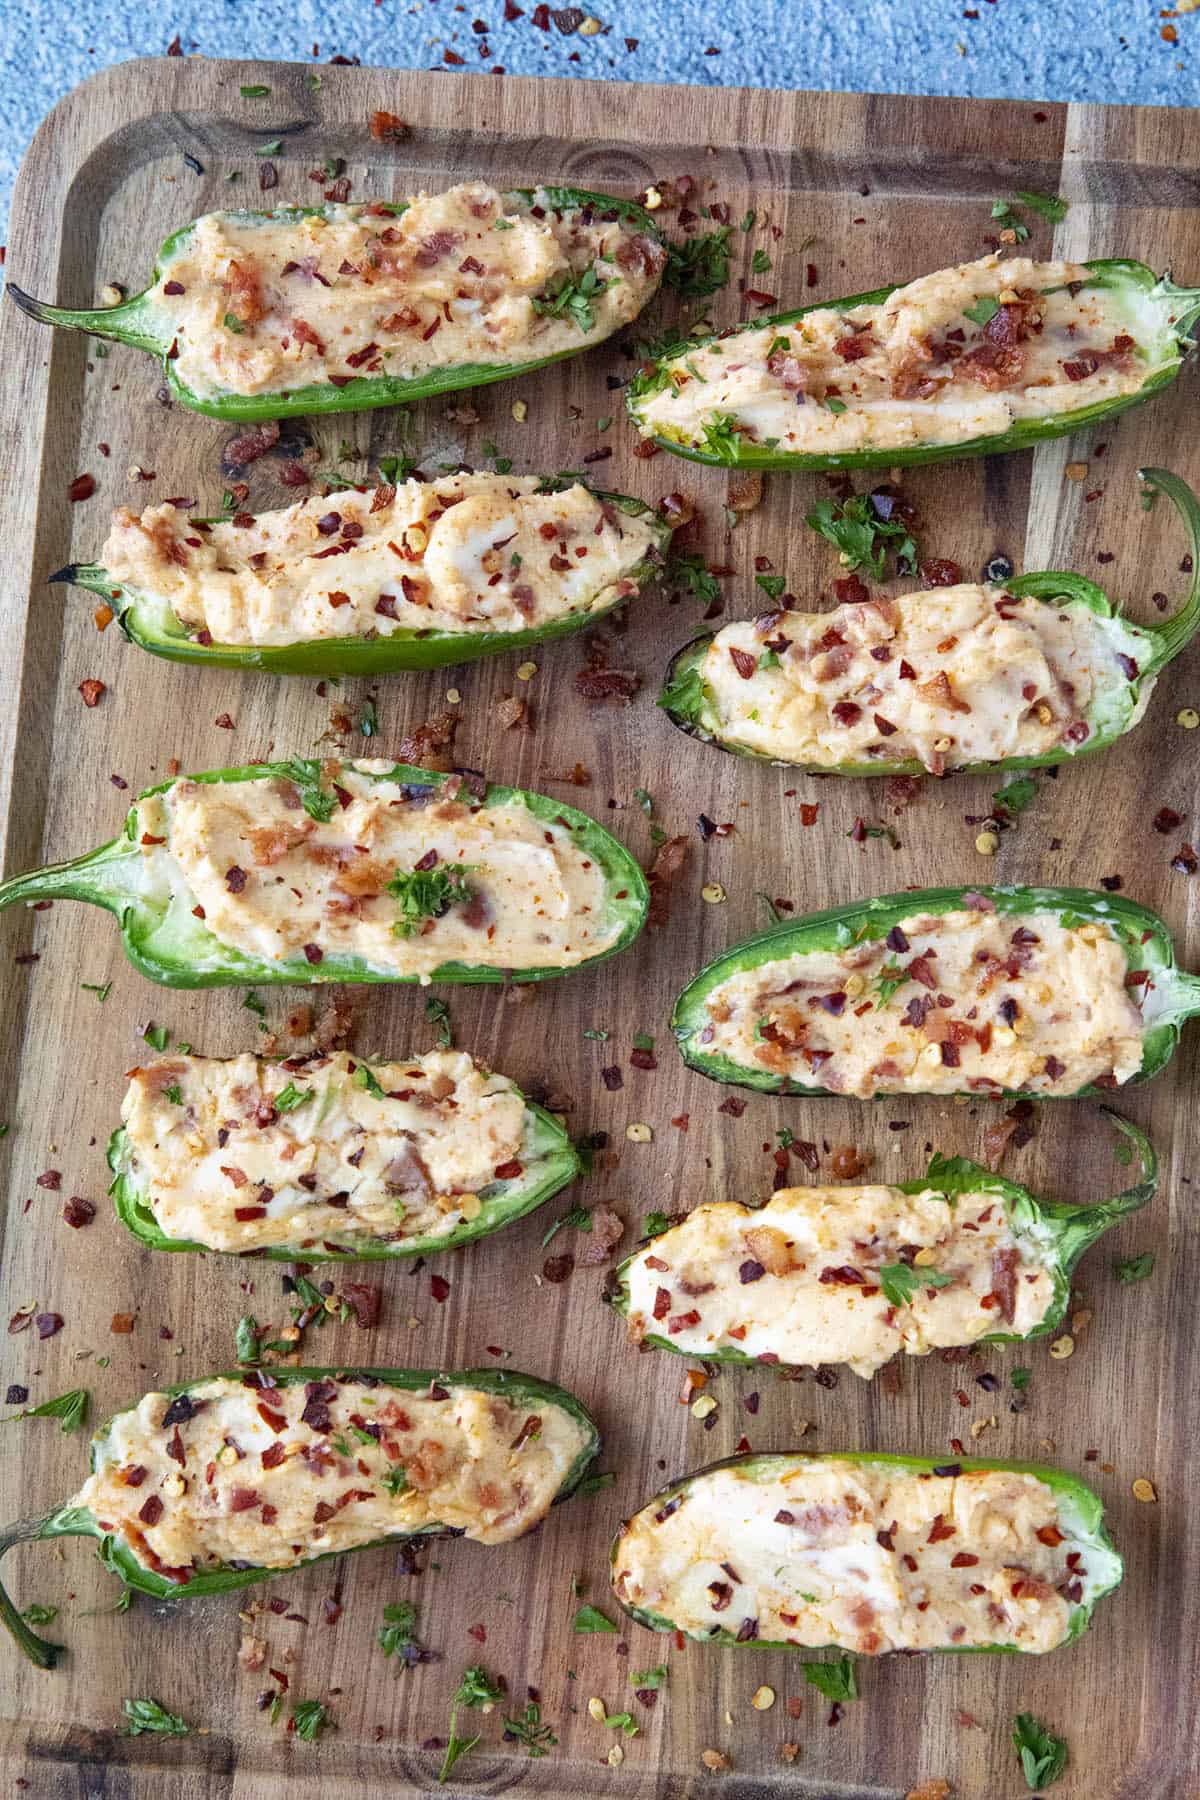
{"x": 1062, "y": 1347}
{"x": 1145, "y": 1490}
{"x": 1188, "y": 717}
{"x": 763, "y": 1699}
{"x": 713, "y": 893}
{"x": 639, "y": 1134}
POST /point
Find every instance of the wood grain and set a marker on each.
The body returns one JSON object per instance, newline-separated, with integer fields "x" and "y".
{"x": 887, "y": 188}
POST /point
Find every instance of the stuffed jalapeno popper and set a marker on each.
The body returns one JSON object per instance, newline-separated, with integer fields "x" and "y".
{"x": 370, "y": 870}
{"x": 412, "y": 577}
{"x": 1001, "y": 991}
{"x": 857, "y": 1274}
{"x": 1036, "y": 671}
{"x": 243, "y": 1475}
{"x": 991, "y": 355}
{"x": 868, "y": 1554}
{"x": 335, "y": 308}
{"x": 330, "y": 1157}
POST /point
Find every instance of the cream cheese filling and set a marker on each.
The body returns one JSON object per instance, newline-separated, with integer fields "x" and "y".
{"x": 261, "y": 305}
{"x": 946, "y": 677}
{"x": 277, "y": 884}
{"x": 277, "y": 1475}
{"x": 800, "y": 1279}
{"x": 896, "y": 373}
{"x": 243, "y": 1154}
{"x": 468, "y": 553}
{"x": 949, "y": 1002}
{"x": 861, "y": 1556}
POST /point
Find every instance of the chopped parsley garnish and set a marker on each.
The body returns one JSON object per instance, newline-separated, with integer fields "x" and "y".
{"x": 692, "y": 572}
{"x": 40, "y": 1615}
{"x": 475, "y": 1689}
{"x": 1020, "y": 1379}
{"x": 760, "y": 262}
{"x": 71, "y": 1408}
{"x": 889, "y": 979}
{"x": 368, "y": 721}
{"x": 174, "y": 1094}
{"x": 1043, "y": 1756}
{"x": 721, "y": 436}
{"x": 644, "y": 801}
{"x": 395, "y": 1481}
{"x": 231, "y": 322}
{"x": 252, "y": 1003}
{"x": 649, "y": 1678}
{"x": 590, "y": 1618}
{"x": 595, "y": 1484}
{"x": 101, "y": 993}
{"x": 245, "y": 1339}
{"x": 579, "y": 1217}
{"x": 786, "y": 1138}
{"x": 834, "y": 1679}
{"x": 271, "y": 149}
{"x": 900, "y": 1282}
{"x": 699, "y": 266}
{"x": 571, "y": 298}
{"x": 1134, "y": 1268}
{"x": 771, "y": 585}
{"x": 428, "y": 894}
{"x": 530, "y": 1731}
{"x": 862, "y": 535}
{"x": 290, "y": 1097}
{"x": 832, "y": 404}
{"x": 307, "y": 777}
{"x": 254, "y": 92}
{"x": 1011, "y": 800}
{"x": 157, "y": 1036}
{"x": 310, "y": 1718}
{"x": 395, "y": 469}
{"x": 654, "y": 1224}
{"x": 595, "y": 1036}
{"x": 981, "y": 310}
{"x": 396, "y": 1632}
{"x": 364, "y": 1078}
{"x": 643, "y": 1041}
{"x": 768, "y": 660}
{"x": 774, "y": 916}
{"x": 1050, "y": 206}
{"x": 438, "y": 1013}
{"x": 1007, "y": 220}
{"x": 149, "y": 1715}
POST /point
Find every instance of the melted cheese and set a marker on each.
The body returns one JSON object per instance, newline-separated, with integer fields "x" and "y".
{"x": 220, "y": 1163}
{"x": 277, "y": 884}
{"x": 246, "y": 1479}
{"x": 997, "y": 1000}
{"x": 787, "y": 1549}
{"x": 953, "y": 676}
{"x": 798, "y": 1279}
{"x": 470, "y": 553}
{"x": 788, "y": 409}
{"x": 261, "y": 305}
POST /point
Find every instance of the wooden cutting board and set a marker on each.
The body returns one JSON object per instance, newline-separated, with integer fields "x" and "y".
{"x": 865, "y": 190}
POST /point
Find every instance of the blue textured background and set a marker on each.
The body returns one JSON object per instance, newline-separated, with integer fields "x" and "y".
{"x": 1110, "y": 50}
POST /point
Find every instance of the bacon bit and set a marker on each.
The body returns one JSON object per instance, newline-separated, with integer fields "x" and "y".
{"x": 78, "y": 1211}
{"x": 941, "y": 573}
{"x": 663, "y": 872}
{"x": 92, "y": 691}
{"x": 122, "y": 1324}
{"x": 103, "y": 617}
{"x": 745, "y": 491}
{"x": 607, "y": 684}
{"x": 235, "y": 880}
{"x": 243, "y": 1499}
{"x": 365, "y": 1301}
{"x": 151, "y": 1510}
{"x": 939, "y": 691}
{"x": 745, "y": 664}
{"x": 850, "y": 592}
{"x": 557, "y": 1269}
{"x": 82, "y": 488}
{"x": 388, "y": 128}
{"x": 247, "y": 446}
{"x": 429, "y": 745}
{"x": 439, "y": 1287}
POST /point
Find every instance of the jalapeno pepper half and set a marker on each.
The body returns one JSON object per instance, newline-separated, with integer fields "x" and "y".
{"x": 853, "y": 1000}
{"x": 1151, "y": 320}
{"x": 725, "y": 688}
{"x": 760, "y": 1504}
{"x": 401, "y": 1201}
{"x": 1048, "y": 1239}
{"x": 246, "y": 310}
{"x": 385, "y": 647}
{"x": 120, "y": 1555}
{"x": 169, "y": 937}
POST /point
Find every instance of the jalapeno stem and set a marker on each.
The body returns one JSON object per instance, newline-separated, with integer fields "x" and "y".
{"x": 101, "y": 878}
{"x": 1080, "y": 1226}
{"x": 1170, "y": 639}
{"x": 133, "y": 322}
{"x": 38, "y": 1650}
{"x": 1187, "y": 303}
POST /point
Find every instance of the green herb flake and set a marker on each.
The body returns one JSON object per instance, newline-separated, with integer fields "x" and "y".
{"x": 1134, "y": 1268}
{"x": 786, "y": 1138}
{"x": 771, "y": 585}
{"x": 571, "y": 297}
{"x": 833, "y": 405}
{"x": 40, "y": 1615}
{"x": 395, "y": 1481}
{"x": 981, "y": 310}
{"x": 1011, "y": 800}
{"x": 395, "y": 469}
{"x": 596, "y": 1037}
{"x": 157, "y": 1036}
{"x": 643, "y": 1041}
{"x": 174, "y": 1094}
{"x": 306, "y": 776}
{"x": 365, "y": 1078}
{"x": 245, "y": 1339}
{"x": 255, "y": 91}
{"x": 649, "y": 1678}
{"x": 290, "y": 1097}
{"x": 428, "y": 894}
{"x": 71, "y": 1408}
{"x": 595, "y": 1484}
{"x": 438, "y": 1013}
{"x": 1050, "y": 206}
{"x": 622, "y": 1721}
{"x": 862, "y": 536}
{"x": 1043, "y": 1756}
{"x": 271, "y": 149}
{"x": 700, "y": 266}
{"x": 368, "y": 720}
{"x": 1020, "y": 1379}
{"x": 149, "y": 1715}
{"x": 310, "y": 1718}
{"x": 900, "y": 1282}
{"x": 529, "y": 1730}
{"x": 475, "y": 1689}
{"x": 760, "y": 262}
{"x": 774, "y": 916}
{"x": 252, "y": 1003}
{"x": 579, "y": 1218}
{"x": 644, "y": 801}
{"x": 654, "y": 1224}
{"x": 833, "y": 1679}
{"x": 591, "y": 1619}
{"x": 396, "y": 1632}
{"x": 1007, "y": 219}
{"x": 101, "y": 992}
{"x": 691, "y": 573}
{"x": 888, "y": 981}
{"x": 231, "y": 322}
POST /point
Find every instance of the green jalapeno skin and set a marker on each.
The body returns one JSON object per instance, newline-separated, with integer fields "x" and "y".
{"x": 119, "y": 1558}
{"x": 168, "y": 945}
{"x": 1146, "y": 940}
{"x": 688, "y": 703}
{"x": 1079, "y": 1507}
{"x": 1180, "y": 309}
{"x": 149, "y": 622}
{"x": 144, "y": 323}
{"x": 1063, "y": 1232}
{"x": 549, "y": 1162}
